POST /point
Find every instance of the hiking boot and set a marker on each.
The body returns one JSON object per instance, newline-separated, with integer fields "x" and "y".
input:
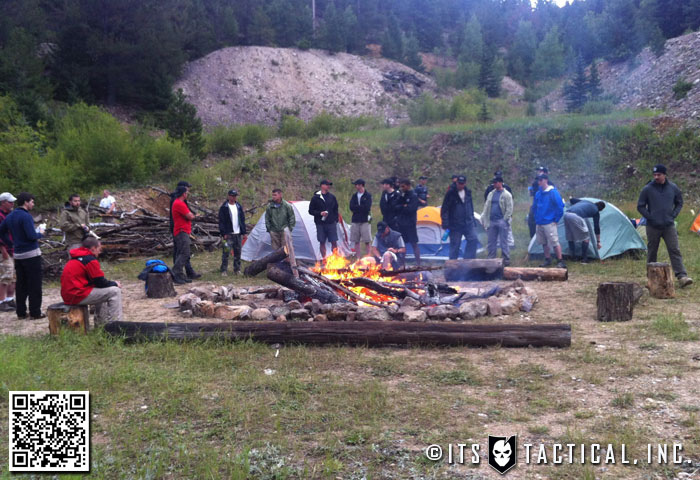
{"x": 546, "y": 263}
{"x": 585, "y": 261}
{"x": 237, "y": 272}
{"x": 561, "y": 264}
{"x": 194, "y": 276}
{"x": 37, "y": 317}
{"x": 179, "y": 281}
{"x": 188, "y": 280}
{"x": 6, "y": 307}
{"x": 506, "y": 263}
{"x": 685, "y": 281}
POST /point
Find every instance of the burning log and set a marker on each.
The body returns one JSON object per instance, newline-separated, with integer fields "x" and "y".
{"x": 473, "y": 269}
{"x": 541, "y": 274}
{"x": 260, "y": 265}
{"x": 388, "y": 289}
{"x": 286, "y": 279}
{"x": 337, "y": 286}
{"x": 374, "y": 334}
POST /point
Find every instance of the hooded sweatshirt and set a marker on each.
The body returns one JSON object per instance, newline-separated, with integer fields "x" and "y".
{"x": 548, "y": 206}
{"x": 81, "y": 274}
{"x": 70, "y": 220}
{"x": 660, "y": 203}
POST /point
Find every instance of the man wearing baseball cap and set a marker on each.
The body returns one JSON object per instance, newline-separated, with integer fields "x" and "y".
{"x": 660, "y": 202}
{"x": 360, "y": 206}
{"x": 232, "y": 229}
{"x": 7, "y": 266}
{"x": 422, "y": 191}
{"x": 457, "y": 214}
{"x": 548, "y": 209}
{"x": 324, "y": 208}
{"x": 388, "y": 202}
{"x": 532, "y": 189}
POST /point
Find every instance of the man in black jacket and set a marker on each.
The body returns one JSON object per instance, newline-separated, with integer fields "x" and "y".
{"x": 189, "y": 271}
{"x": 422, "y": 192}
{"x": 388, "y": 202}
{"x": 407, "y": 216}
{"x": 660, "y": 202}
{"x": 324, "y": 208}
{"x": 232, "y": 229}
{"x": 457, "y": 213}
{"x": 360, "y": 206}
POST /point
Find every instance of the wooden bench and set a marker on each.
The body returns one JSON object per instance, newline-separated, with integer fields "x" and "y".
{"x": 76, "y": 317}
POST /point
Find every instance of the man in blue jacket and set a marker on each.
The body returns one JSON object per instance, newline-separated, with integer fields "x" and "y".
{"x": 548, "y": 208}
{"x": 660, "y": 202}
{"x": 231, "y": 229}
{"x": 27, "y": 255}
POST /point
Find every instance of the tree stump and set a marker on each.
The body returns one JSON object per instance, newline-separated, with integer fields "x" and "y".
{"x": 160, "y": 285}
{"x": 74, "y": 316}
{"x": 616, "y": 301}
{"x": 660, "y": 280}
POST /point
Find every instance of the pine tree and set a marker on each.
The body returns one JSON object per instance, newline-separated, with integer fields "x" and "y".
{"x": 411, "y": 53}
{"x": 593, "y": 83}
{"x": 521, "y": 55}
{"x": 490, "y": 74}
{"x": 576, "y": 91}
{"x": 392, "y": 42}
{"x": 181, "y": 122}
{"x": 549, "y": 58}
{"x": 484, "y": 115}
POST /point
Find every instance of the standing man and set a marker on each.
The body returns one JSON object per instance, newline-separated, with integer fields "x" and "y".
{"x": 660, "y": 202}
{"x": 278, "y": 216}
{"x": 182, "y": 228}
{"x": 388, "y": 246}
{"x": 110, "y": 204}
{"x": 422, "y": 192}
{"x": 20, "y": 226}
{"x": 84, "y": 283}
{"x": 388, "y": 202}
{"x": 360, "y": 206}
{"x": 324, "y": 208}
{"x": 7, "y": 266}
{"x": 457, "y": 213}
{"x": 407, "y": 216}
{"x": 453, "y": 183}
{"x": 532, "y": 190}
{"x": 191, "y": 274}
{"x": 491, "y": 186}
{"x": 548, "y": 210}
{"x": 577, "y": 227}
{"x": 74, "y": 222}
{"x": 496, "y": 217}
{"x": 231, "y": 229}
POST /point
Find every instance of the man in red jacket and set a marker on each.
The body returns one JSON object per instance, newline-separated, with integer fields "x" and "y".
{"x": 84, "y": 283}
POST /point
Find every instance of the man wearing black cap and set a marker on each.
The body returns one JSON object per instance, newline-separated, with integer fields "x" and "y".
{"x": 360, "y": 206}
{"x": 453, "y": 183}
{"x": 388, "y": 202}
{"x": 324, "y": 208}
{"x": 407, "y": 216}
{"x": 388, "y": 246}
{"x": 231, "y": 229}
{"x": 490, "y": 188}
{"x": 457, "y": 213}
{"x": 496, "y": 218}
{"x": 191, "y": 274}
{"x": 660, "y": 202}
{"x": 548, "y": 210}
{"x": 422, "y": 191}
{"x": 532, "y": 189}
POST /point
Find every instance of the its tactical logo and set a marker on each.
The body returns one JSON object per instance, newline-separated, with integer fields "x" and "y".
{"x": 503, "y": 453}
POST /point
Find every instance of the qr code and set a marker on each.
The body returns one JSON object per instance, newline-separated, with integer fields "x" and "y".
{"x": 49, "y": 431}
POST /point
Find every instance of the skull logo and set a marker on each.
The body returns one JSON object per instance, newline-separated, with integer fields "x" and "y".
{"x": 502, "y": 453}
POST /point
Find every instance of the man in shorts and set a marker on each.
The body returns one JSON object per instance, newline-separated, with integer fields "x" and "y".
{"x": 7, "y": 266}
{"x": 324, "y": 208}
{"x": 360, "y": 206}
{"x": 548, "y": 208}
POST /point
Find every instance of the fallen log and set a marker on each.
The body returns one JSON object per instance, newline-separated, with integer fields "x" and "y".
{"x": 260, "y": 265}
{"x": 339, "y": 287}
{"x": 288, "y": 280}
{"x": 473, "y": 269}
{"x": 369, "y": 333}
{"x": 541, "y": 274}
{"x": 660, "y": 280}
{"x": 397, "y": 291}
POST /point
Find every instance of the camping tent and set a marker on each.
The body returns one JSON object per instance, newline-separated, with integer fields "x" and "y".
{"x": 617, "y": 235}
{"x": 303, "y": 237}
{"x": 430, "y": 236}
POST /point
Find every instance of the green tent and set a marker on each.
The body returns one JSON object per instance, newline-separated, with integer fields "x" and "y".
{"x": 617, "y": 235}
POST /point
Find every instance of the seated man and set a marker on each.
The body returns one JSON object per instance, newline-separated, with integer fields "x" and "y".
{"x": 84, "y": 283}
{"x": 388, "y": 246}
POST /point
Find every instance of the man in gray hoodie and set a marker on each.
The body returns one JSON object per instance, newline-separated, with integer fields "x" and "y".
{"x": 660, "y": 203}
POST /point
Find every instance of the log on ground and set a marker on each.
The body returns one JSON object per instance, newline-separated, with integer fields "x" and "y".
{"x": 541, "y": 274}
{"x": 286, "y": 279}
{"x": 260, "y": 265}
{"x": 473, "y": 269}
{"x": 374, "y": 334}
{"x": 660, "y": 280}
{"x": 615, "y": 301}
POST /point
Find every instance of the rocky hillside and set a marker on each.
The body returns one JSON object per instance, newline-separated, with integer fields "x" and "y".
{"x": 647, "y": 81}
{"x": 240, "y": 85}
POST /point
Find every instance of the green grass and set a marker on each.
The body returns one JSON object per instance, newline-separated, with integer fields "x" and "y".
{"x": 673, "y": 327}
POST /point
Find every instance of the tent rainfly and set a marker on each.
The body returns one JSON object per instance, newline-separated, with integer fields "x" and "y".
{"x": 430, "y": 236}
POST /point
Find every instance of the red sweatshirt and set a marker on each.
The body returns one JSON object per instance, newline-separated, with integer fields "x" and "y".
{"x": 81, "y": 274}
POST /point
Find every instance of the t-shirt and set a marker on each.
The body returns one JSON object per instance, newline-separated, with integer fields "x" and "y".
{"x": 496, "y": 212}
{"x": 462, "y": 194}
{"x": 107, "y": 201}
{"x": 180, "y": 222}
{"x": 233, "y": 209}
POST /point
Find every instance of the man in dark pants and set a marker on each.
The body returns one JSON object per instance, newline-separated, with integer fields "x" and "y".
{"x": 232, "y": 229}
{"x": 324, "y": 208}
{"x": 457, "y": 213}
{"x": 388, "y": 246}
{"x": 182, "y": 228}
{"x": 422, "y": 192}
{"x": 491, "y": 187}
{"x": 577, "y": 228}
{"x": 388, "y": 201}
{"x": 660, "y": 202}
{"x": 191, "y": 274}
{"x": 407, "y": 216}
{"x": 532, "y": 189}
{"x": 360, "y": 206}
{"x": 27, "y": 255}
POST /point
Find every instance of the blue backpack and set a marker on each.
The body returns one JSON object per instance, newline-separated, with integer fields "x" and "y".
{"x": 153, "y": 266}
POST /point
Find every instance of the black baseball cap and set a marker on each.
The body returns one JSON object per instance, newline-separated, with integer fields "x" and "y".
{"x": 387, "y": 181}
{"x": 543, "y": 168}
{"x": 359, "y": 181}
{"x": 422, "y": 177}
{"x": 326, "y": 182}
{"x": 461, "y": 179}
{"x": 659, "y": 169}
{"x": 542, "y": 176}
{"x": 184, "y": 183}
{"x": 233, "y": 192}
{"x": 454, "y": 176}
{"x": 497, "y": 178}
{"x": 381, "y": 226}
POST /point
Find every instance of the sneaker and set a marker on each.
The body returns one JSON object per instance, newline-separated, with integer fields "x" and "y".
{"x": 39, "y": 317}
{"x": 22, "y": 317}
{"x": 195, "y": 276}
{"x": 188, "y": 280}
{"x": 237, "y": 272}
{"x": 546, "y": 263}
{"x": 685, "y": 281}
{"x": 6, "y": 307}
{"x": 561, "y": 264}
{"x": 585, "y": 261}
{"x": 179, "y": 281}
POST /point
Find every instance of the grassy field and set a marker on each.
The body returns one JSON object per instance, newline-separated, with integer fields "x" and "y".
{"x": 214, "y": 409}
